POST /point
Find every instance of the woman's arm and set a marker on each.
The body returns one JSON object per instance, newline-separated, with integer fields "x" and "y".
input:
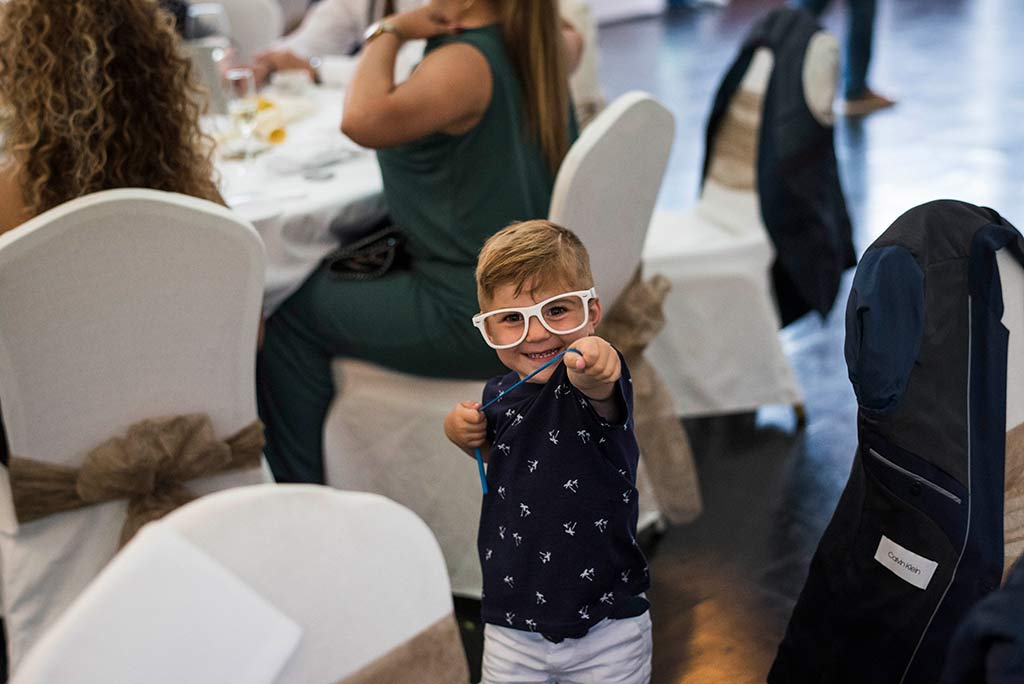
{"x": 447, "y": 93}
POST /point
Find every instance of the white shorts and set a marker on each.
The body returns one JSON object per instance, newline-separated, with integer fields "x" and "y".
{"x": 612, "y": 652}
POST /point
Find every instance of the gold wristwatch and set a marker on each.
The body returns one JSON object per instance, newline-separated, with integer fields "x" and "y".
{"x": 377, "y": 28}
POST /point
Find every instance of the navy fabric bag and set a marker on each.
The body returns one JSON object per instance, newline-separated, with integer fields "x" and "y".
{"x": 917, "y": 536}
{"x": 988, "y": 648}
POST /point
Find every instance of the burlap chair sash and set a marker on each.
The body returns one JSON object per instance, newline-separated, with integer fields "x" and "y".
{"x": 1013, "y": 503}
{"x": 734, "y": 150}
{"x": 636, "y": 318}
{"x": 149, "y": 467}
{"x": 434, "y": 656}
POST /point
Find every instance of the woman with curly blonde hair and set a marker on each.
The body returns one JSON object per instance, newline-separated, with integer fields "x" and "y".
{"x": 95, "y": 95}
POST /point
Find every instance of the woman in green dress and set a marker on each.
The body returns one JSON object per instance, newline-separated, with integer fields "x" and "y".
{"x": 468, "y": 144}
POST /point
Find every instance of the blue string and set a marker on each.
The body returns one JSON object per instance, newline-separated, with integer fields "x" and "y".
{"x": 476, "y": 450}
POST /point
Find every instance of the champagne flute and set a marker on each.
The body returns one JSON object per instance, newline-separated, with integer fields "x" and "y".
{"x": 243, "y": 106}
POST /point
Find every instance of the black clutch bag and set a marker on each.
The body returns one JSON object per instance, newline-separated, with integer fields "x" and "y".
{"x": 368, "y": 257}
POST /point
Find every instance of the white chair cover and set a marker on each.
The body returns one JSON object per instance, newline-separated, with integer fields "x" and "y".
{"x": 608, "y": 184}
{"x": 164, "y": 612}
{"x": 384, "y": 431}
{"x": 1011, "y": 276}
{"x": 255, "y": 24}
{"x": 358, "y": 573}
{"x": 118, "y": 306}
{"x": 720, "y": 350}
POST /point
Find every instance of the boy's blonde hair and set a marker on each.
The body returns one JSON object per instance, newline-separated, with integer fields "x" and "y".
{"x": 538, "y": 252}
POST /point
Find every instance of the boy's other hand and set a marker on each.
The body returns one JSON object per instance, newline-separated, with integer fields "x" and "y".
{"x": 597, "y": 370}
{"x": 466, "y": 426}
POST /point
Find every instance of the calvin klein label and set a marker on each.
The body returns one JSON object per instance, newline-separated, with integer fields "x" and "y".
{"x": 906, "y": 565}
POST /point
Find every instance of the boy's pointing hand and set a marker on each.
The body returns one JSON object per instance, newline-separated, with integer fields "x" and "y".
{"x": 596, "y": 369}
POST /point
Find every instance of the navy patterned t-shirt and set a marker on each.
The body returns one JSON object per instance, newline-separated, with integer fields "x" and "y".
{"x": 557, "y": 537}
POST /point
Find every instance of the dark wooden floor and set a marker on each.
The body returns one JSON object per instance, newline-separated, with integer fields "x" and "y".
{"x": 723, "y": 586}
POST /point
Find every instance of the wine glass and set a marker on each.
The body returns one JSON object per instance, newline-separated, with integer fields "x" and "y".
{"x": 208, "y": 44}
{"x": 243, "y": 105}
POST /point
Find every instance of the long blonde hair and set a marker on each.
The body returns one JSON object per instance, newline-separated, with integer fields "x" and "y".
{"x": 97, "y": 96}
{"x": 532, "y": 32}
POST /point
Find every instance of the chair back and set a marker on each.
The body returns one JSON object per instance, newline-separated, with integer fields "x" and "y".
{"x": 608, "y": 184}
{"x": 729, "y": 195}
{"x": 1011, "y": 276}
{"x": 164, "y": 612}
{"x": 359, "y": 573}
{"x": 255, "y": 24}
{"x": 118, "y": 306}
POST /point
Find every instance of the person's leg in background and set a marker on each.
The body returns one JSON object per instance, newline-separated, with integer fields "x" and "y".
{"x": 399, "y": 321}
{"x": 859, "y": 98}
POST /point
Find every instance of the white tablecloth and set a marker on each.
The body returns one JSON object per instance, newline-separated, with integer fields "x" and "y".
{"x": 294, "y": 211}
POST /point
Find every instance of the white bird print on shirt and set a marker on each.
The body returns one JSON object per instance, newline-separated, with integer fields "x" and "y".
{"x": 510, "y": 413}
{"x": 532, "y": 625}
{"x": 583, "y": 435}
{"x": 625, "y": 496}
{"x": 532, "y": 465}
{"x": 524, "y": 510}
{"x": 501, "y": 493}
{"x": 553, "y": 436}
{"x": 545, "y": 556}
{"x": 601, "y": 524}
{"x": 608, "y": 598}
{"x": 588, "y": 574}
{"x": 584, "y": 613}
{"x": 508, "y": 617}
{"x": 518, "y": 540}
{"x": 602, "y": 440}
{"x": 501, "y": 531}
{"x": 572, "y": 485}
{"x": 488, "y": 554}
{"x": 540, "y": 599}
{"x": 561, "y": 391}
{"x": 570, "y": 529}
{"x": 625, "y": 575}
{"x": 510, "y": 581}
{"x": 503, "y": 448}
{"x": 518, "y": 420}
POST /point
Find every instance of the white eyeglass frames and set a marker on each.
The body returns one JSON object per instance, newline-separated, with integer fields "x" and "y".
{"x": 560, "y": 315}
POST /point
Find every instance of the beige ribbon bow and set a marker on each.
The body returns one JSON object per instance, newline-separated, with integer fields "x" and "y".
{"x": 635, "y": 319}
{"x": 148, "y": 466}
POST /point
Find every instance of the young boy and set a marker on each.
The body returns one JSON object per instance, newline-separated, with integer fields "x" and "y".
{"x": 563, "y": 575}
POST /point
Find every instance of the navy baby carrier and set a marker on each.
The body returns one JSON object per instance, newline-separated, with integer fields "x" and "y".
{"x": 802, "y": 202}
{"x": 917, "y": 536}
